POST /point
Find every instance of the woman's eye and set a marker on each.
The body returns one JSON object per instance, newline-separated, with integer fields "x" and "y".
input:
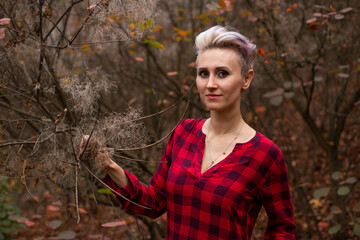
{"x": 203, "y": 74}
{"x": 222, "y": 73}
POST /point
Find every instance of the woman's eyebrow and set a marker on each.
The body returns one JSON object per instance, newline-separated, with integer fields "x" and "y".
{"x": 217, "y": 68}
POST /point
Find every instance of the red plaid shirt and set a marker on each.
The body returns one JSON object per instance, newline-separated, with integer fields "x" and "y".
{"x": 224, "y": 201}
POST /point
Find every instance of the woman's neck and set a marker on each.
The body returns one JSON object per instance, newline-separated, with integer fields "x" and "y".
{"x": 223, "y": 123}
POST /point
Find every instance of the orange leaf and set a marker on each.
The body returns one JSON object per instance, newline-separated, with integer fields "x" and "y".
{"x": 292, "y": 7}
{"x": 66, "y": 81}
{"x": 131, "y": 25}
{"x": 157, "y": 28}
{"x": 245, "y": 14}
{"x": 281, "y": 63}
{"x": 182, "y": 33}
{"x": 314, "y": 26}
{"x": 133, "y": 33}
{"x": 266, "y": 61}
{"x": 172, "y": 73}
{"x": 222, "y": 3}
{"x": 29, "y": 223}
{"x": 53, "y": 208}
{"x": 261, "y": 52}
{"x": 332, "y": 8}
{"x": 82, "y": 210}
{"x": 260, "y": 109}
{"x": 151, "y": 37}
{"x": 192, "y": 64}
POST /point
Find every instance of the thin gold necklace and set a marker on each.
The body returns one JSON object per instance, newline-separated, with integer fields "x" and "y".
{"x": 223, "y": 152}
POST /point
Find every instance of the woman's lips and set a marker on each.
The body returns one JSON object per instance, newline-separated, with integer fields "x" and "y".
{"x": 212, "y": 96}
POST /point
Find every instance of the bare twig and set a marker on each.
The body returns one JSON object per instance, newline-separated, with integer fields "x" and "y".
{"x": 92, "y": 174}
{"x": 159, "y": 141}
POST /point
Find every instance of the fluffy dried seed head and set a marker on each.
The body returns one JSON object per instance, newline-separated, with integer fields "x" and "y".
{"x": 85, "y": 88}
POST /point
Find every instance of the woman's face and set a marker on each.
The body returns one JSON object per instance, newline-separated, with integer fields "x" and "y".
{"x": 219, "y": 79}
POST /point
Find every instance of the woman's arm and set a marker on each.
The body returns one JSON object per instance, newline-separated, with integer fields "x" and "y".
{"x": 150, "y": 200}
{"x": 276, "y": 198}
{"x": 116, "y": 173}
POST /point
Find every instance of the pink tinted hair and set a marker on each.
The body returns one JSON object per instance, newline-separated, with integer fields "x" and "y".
{"x": 227, "y": 37}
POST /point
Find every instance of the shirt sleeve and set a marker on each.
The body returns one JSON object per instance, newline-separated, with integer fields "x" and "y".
{"x": 276, "y": 198}
{"x": 151, "y": 199}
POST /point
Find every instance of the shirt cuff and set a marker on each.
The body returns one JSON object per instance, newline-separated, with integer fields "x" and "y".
{"x": 127, "y": 191}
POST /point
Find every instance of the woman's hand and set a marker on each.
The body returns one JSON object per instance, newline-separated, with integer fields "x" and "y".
{"x": 96, "y": 151}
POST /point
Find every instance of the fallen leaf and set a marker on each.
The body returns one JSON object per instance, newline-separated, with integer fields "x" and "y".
{"x": 114, "y": 224}
{"x": 29, "y": 223}
{"x": 53, "y": 208}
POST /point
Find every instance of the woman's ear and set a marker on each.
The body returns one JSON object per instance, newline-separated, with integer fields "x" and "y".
{"x": 247, "y": 79}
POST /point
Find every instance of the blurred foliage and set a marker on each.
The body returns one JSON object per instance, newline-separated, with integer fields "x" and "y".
{"x": 9, "y": 213}
{"x": 124, "y": 71}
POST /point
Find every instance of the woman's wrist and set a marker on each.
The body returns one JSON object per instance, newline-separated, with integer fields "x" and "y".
{"x": 110, "y": 165}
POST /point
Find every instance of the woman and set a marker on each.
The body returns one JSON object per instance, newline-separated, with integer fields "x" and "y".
{"x": 216, "y": 173}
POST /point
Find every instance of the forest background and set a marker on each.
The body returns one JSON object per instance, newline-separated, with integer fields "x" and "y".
{"x": 123, "y": 72}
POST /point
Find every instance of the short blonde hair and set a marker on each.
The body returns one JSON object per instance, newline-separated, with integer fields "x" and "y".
{"x": 227, "y": 37}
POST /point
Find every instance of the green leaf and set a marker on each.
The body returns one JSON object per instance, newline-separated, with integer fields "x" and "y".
{"x": 3, "y": 215}
{"x": 336, "y": 175}
{"x": 8, "y": 229}
{"x": 358, "y": 69}
{"x": 68, "y": 234}
{"x": 334, "y": 229}
{"x": 17, "y": 210}
{"x": 356, "y": 229}
{"x": 54, "y": 224}
{"x": 356, "y": 208}
{"x": 276, "y": 101}
{"x": 351, "y": 180}
{"x": 289, "y": 95}
{"x": 154, "y": 44}
{"x": 104, "y": 191}
{"x": 6, "y": 222}
{"x": 334, "y": 70}
{"x": 321, "y": 192}
{"x": 8, "y": 206}
{"x": 343, "y": 190}
{"x": 2, "y": 237}
{"x": 335, "y": 210}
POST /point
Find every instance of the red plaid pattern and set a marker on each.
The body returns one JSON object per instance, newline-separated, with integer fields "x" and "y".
{"x": 224, "y": 201}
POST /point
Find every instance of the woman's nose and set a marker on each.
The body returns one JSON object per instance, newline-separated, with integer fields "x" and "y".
{"x": 211, "y": 82}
